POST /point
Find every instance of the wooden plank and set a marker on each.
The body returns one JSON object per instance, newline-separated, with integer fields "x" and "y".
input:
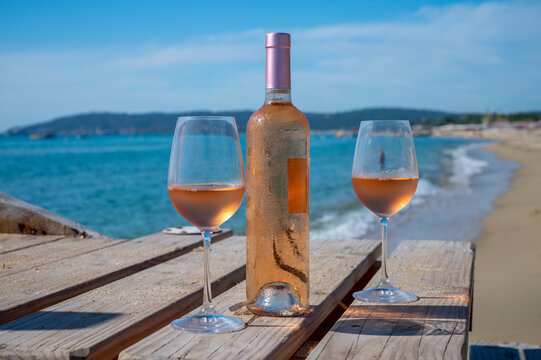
{"x": 34, "y": 257}
{"x": 14, "y": 242}
{"x": 30, "y": 290}
{"x": 335, "y": 266}
{"x": 19, "y": 217}
{"x": 100, "y": 323}
{"x": 434, "y": 327}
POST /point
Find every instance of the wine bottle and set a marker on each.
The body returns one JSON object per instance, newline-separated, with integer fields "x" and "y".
{"x": 277, "y": 208}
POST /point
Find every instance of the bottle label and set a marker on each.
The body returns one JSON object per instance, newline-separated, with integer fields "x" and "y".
{"x": 297, "y": 185}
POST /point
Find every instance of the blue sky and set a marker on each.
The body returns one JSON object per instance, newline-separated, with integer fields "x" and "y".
{"x": 66, "y": 57}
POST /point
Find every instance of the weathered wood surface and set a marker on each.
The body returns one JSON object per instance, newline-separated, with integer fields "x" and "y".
{"x": 32, "y": 289}
{"x": 14, "y": 242}
{"x": 19, "y": 217}
{"x": 34, "y": 257}
{"x": 335, "y": 266}
{"x": 434, "y": 327}
{"x": 100, "y": 323}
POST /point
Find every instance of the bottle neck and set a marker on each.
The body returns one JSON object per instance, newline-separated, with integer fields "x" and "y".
{"x": 277, "y": 71}
{"x": 277, "y": 95}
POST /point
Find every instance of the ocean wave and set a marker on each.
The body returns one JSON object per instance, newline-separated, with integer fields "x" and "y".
{"x": 425, "y": 189}
{"x": 350, "y": 225}
{"x": 359, "y": 222}
{"x": 465, "y": 166}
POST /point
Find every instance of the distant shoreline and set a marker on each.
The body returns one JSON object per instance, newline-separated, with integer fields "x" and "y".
{"x": 103, "y": 123}
{"x": 312, "y": 132}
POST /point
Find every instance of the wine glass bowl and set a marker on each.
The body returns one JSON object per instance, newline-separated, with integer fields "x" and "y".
{"x": 206, "y": 186}
{"x": 206, "y": 206}
{"x": 384, "y": 196}
{"x": 384, "y": 178}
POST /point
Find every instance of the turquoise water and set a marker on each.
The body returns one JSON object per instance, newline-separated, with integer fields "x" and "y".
{"x": 117, "y": 184}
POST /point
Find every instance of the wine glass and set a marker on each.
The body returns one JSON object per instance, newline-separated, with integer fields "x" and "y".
{"x": 206, "y": 186}
{"x": 385, "y": 177}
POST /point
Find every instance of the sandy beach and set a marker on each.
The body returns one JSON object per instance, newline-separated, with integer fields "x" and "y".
{"x": 507, "y": 292}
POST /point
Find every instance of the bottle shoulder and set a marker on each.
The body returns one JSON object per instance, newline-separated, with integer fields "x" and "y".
{"x": 276, "y": 114}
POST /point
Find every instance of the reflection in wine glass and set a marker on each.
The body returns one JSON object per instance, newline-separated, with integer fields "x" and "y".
{"x": 385, "y": 177}
{"x": 206, "y": 186}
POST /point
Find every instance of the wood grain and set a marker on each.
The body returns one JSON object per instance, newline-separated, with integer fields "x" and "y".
{"x": 335, "y": 267}
{"x": 434, "y": 327}
{"x": 35, "y": 288}
{"x": 34, "y": 257}
{"x": 100, "y": 323}
{"x": 19, "y": 217}
{"x": 14, "y": 242}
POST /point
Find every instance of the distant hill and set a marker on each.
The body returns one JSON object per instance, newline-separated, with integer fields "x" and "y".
{"x": 164, "y": 123}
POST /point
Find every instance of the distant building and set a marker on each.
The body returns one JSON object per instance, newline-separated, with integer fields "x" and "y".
{"x": 486, "y": 120}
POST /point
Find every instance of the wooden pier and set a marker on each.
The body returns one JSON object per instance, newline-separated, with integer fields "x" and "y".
{"x": 69, "y": 292}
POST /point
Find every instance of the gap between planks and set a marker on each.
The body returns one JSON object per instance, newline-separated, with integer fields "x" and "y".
{"x": 434, "y": 327}
{"x": 335, "y": 267}
{"x": 14, "y": 242}
{"x": 33, "y": 289}
{"x": 100, "y": 323}
{"x": 50, "y": 252}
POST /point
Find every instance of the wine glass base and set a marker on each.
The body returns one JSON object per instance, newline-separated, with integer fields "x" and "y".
{"x": 386, "y": 295}
{"x": 208, "y": 324}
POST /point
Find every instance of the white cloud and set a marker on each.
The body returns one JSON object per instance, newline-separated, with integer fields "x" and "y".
{"x": 215, "y": 49}
{"x": 458, "y": 57}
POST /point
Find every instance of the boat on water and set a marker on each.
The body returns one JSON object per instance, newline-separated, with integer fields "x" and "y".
{"x": 346, "y": 134}
{"x": 38, "y": 136}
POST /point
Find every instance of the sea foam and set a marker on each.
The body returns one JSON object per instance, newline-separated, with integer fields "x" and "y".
{"x": 465, "y": 166}
{"x": 461, "y": 166}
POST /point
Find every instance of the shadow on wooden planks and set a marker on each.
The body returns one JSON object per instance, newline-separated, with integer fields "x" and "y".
{"x": 61, "y": 320}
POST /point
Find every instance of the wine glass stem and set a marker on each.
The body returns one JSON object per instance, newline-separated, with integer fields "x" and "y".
{"x": 384, "y": 276}
{"x": 207, "y": 292}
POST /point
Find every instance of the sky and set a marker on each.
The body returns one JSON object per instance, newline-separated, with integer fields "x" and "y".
{"x": 67, "y": 57}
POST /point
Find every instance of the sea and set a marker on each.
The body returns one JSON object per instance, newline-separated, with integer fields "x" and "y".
{"x": 117, "y": 185}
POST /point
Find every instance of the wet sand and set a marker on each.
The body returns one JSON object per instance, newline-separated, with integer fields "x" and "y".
{"x": 507, "y": 291}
